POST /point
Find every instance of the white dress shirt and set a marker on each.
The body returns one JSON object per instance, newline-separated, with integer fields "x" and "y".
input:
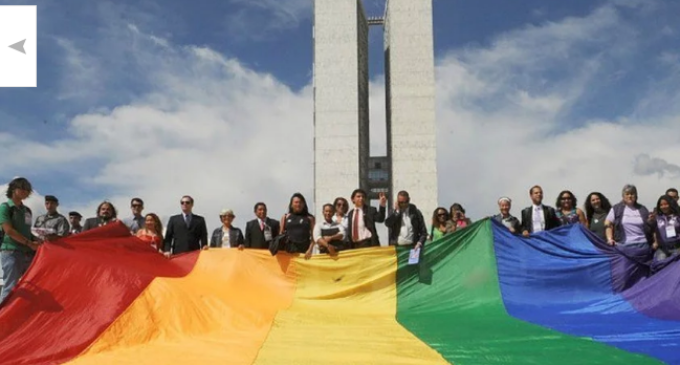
{"x": 538, "y": 218}
{"x": 225, "y": 238}
{"x": 364, "y": 233}
{"x": 406, "y": 232}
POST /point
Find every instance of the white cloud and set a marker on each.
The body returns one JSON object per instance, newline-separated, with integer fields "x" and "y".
{"x": 212, "y": 128}
{"x": 83, "y": 70}
{"x": 502, "y": 111}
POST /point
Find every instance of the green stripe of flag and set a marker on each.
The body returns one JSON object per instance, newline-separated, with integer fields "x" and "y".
{"x": 452, "y": 302}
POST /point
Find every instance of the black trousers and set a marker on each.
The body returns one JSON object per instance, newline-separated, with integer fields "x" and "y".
{"x": 363, "y": 243}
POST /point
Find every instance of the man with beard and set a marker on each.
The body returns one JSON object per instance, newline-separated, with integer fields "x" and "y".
{"x": 106, "y": 213}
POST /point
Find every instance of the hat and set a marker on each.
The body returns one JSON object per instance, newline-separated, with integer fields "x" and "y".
{"x": 74, "y": 214}
{"x": 51, "y": 198}
{"x": 226, "y": 212}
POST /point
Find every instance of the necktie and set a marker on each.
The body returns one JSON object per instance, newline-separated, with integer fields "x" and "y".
{"x": 187, "y": 220}
{"x": 261, "y": 225}
{"x": 355, "y": 226}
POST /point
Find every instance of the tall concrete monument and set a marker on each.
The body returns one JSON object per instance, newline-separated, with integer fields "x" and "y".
{"x": 342, "y": 160}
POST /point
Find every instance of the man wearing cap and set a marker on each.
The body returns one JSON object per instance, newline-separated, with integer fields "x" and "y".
{"x": 55, "y": 224}
{"x": 74, "y": 218}
{"x": 227, "y": 236}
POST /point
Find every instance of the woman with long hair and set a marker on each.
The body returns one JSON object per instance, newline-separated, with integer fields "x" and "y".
{"x": 596, "y": 208}
{"x": 341, "y": 207}
{"x": 666, "y": 226}
{"x": 457, "y": 213}
{"x": 298, "y": 225}
{"x": 152, "y": 233}
{"x": 441, "y": 224}
{"x": 566, "y": 210}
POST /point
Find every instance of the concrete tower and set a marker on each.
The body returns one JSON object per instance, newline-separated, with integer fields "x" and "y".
{"x": 341, "y": 116}
{"x": 409, "y": 83}
{"x": 341, "y": 125}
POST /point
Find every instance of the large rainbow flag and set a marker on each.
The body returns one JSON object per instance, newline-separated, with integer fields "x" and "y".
{"x": 479, "y": 296}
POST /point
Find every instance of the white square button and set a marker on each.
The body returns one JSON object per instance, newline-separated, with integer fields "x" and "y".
{"x": 18, "y": 48}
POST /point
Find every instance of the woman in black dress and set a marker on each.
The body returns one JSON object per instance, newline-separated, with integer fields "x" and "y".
{"x": 298, "y": 225}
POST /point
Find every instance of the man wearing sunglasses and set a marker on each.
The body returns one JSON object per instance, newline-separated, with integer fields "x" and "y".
{"x": 136, "y": 222}
{"x": 186, "y": 231}
{"x": 406, "y": 223}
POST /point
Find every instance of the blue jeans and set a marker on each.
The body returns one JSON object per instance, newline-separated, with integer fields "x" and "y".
{"x": 14, "y": 265}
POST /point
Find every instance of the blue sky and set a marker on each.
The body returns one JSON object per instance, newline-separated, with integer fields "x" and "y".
{"x": 124, "y": 86}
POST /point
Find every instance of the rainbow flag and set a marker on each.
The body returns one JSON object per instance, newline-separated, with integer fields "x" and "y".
{"x": 480, "y": 296}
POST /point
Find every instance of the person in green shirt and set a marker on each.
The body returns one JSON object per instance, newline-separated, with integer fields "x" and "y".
{"x": 441, "y": 224}
{"x": 18, "y": 244}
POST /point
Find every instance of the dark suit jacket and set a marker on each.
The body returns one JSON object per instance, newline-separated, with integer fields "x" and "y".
{"x": 255, "y": 236}
{"x": 235, "y": 237}
{"x": 91, "y": 223}
{"x": 371, "y": 217}
{"x": 394, "y": 220}
{"x": 179, "y": 238}
{"x": 551, "y": 220}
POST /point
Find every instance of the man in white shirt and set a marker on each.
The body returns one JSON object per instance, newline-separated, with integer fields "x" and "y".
{"x": 362, "y": 219}
{"x": 538, "y": 217}
{"x": 406, "y": 223}
{"x": 328, "y": 233}
{"x": 227, "y": 236}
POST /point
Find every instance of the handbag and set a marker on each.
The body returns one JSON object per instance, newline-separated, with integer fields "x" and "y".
{"x": 277, "y": 243}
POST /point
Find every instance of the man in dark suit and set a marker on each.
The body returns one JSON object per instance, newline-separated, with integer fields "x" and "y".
{"x": 538, "y": 217}
{"x": 106, "y": 213}
{"x": 406, "y": 223}
{"x": 362, "y": 219}
{"x": 186, "y": 232}
{"x": 261, "y": 230}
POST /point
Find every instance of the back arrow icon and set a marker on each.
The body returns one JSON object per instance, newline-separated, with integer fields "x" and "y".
{"x": 19, "y": 46}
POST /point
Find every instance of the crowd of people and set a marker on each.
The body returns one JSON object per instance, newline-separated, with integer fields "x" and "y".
{"x": 627, "y": 224}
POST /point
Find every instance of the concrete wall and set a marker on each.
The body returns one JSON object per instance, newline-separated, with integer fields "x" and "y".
{"x": 409, "y": 57}
{"x": 363, "y": 93}
{"x": 338, "y": 73}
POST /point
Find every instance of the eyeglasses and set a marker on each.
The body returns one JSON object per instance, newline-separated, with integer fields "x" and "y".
{"x": 185, "y": 202}
{"x": 340, "y": 205}
{"x": 566, "y": 198}
{"x": 136, "y": 205}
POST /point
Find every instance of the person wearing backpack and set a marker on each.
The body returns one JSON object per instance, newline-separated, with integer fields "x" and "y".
{"x": 18, "y": 244}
